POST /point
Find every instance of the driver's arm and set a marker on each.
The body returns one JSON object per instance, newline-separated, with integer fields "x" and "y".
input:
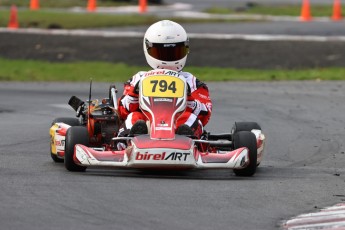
{"x": 129, "y": 102}
{"x": 199, "y": 102}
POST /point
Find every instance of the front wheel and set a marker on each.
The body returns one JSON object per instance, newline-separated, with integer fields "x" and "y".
{"x": 75, "y": 135}
{"x": 248, "y": 140}
{"x": 69, "y": 121}
{"x": 245, "y": 126}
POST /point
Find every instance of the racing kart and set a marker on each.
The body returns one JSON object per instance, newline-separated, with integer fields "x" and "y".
{"x": 91, "y": 140}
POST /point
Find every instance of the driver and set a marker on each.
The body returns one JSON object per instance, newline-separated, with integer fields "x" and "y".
{"x": 166, "y": 46}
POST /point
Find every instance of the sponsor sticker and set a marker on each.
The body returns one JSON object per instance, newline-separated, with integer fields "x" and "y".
{"x": 164, "y": 156}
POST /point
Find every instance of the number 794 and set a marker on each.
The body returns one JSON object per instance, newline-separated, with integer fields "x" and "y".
{"x": 163, "y": 86}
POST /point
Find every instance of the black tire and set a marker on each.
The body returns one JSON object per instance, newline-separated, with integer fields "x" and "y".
{"x": 75, "y": 135}
{"x": 248, "y": 140}
{"x": 69, "y": 121}
{"x": 245, "y": 126}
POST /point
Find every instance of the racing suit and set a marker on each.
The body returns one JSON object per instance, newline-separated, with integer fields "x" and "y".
{"x": 196, "y": 115}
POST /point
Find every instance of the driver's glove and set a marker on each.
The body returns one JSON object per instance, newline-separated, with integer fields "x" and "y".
{"x": 129, "y": 100}
{"x": 195, "y": 105}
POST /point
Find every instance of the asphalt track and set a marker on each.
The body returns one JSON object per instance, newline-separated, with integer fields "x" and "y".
{"x": 302, "y": 171}
{"x": 235, "y": 52}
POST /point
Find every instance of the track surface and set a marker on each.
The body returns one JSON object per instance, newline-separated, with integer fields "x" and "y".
{"x": 204, "y": 52}
{"x": 303, "y": 167}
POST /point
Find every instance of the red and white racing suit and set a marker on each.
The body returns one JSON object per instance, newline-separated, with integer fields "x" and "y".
{"x": 196, "y": 115}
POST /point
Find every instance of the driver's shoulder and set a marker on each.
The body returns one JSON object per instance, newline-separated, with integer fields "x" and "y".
{"x": 186, "y": 75}
{"x": 190, "y": 79}
{"x": 136, "y": 77}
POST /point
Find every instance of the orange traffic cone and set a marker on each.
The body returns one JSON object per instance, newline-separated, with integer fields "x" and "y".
{"x": 142, "y": 6}
{"x": 13, "y": 23}
{"x": 305, "y": 12}
{"x": 34, "y": 4}
{"x": 336, "y": 10}
{"x": 91, "y": 6}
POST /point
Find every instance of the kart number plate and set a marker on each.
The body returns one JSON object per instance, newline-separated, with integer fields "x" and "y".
{"x": 163, "y": 86}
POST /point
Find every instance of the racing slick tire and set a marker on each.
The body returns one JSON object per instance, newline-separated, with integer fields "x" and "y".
{"x": 246, "y": 139}
{"x": 69, "y": 121}
{"x": 245, "y": 126}
{"x": 75, "y": 135}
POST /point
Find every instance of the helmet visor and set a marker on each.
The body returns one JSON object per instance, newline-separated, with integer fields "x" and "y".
{"x": 167, "y": 51}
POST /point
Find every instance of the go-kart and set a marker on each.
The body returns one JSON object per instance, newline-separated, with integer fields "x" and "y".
{"x": 92, "y": 140}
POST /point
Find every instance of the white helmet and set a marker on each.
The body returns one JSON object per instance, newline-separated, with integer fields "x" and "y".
{"x": 166, "y": 45}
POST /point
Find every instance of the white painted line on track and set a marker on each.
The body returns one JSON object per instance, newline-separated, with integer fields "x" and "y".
{"x": 257, "y": 17}
{"x": 266, "y": 37}
{"x": 73, "y": 32}
{"x": 61, "y": 106}
{"x": 250, "y": 37}
{"x": 327, "y": 218}
{"x": 135, "y": 9}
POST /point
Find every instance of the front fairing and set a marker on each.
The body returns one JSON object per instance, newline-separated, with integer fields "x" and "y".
{"x": 162, "y": 98}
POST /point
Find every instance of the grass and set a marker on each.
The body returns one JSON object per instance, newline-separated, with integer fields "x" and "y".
{"x": 29, "y": 70}
{"x": 70, "y": 20}
{"x": 276, "y": 10}
{"x": 61, "y": 3}
{"x": 290, "y": 10}
{"x": 56, "y": 19}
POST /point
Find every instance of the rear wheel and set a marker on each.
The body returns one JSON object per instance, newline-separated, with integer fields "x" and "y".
{"x": 75, "y": 135}
{"x": 248, "y": 140}
{"x": 69, "y": 121}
